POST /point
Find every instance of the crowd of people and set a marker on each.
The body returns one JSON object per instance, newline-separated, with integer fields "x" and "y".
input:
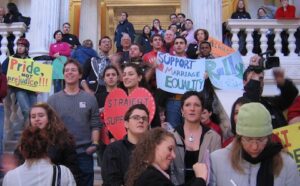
{"x": 183, "y": 144}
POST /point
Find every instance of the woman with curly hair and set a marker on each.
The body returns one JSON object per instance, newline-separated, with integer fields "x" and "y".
{"x": 200, "y": 35}
{"x": 37, "y": 168}
{"x": 153, "y": 156}
{"x": 61, "y": 149}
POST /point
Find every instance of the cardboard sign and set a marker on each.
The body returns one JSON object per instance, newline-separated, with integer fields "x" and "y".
{"x": 58, "y": 65}
{"x": 178, "y": 75}
{"x": 290, "y": 138}
{"x": 118, "y": 102}
{"x": 226, "y": 72}
{"x": 29, "y": 75}
{"x": 219, "y": 49}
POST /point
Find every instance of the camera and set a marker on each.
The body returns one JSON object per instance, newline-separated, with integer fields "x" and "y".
{"x": 265, "y": 63}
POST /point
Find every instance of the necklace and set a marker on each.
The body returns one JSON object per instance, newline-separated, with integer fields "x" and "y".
{"x": 191, "y": 138}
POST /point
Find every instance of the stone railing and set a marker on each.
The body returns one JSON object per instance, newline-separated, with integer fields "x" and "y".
{"x": 17, "y": 29}
{"x": 263, "y": 26}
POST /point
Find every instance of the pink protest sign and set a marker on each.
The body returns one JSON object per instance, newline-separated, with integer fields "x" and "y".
{"x": 118, "y": 102}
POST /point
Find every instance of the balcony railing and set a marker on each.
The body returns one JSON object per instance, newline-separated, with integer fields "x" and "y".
{"x": 263, "y": 26}
{"x": 17, "y": 29}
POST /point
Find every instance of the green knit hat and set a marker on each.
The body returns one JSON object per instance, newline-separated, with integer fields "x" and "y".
{"x": 254, "y": 120}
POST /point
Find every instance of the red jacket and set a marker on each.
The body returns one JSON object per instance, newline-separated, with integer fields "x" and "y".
{"x": 3, "y": 87}
{"x": 288, "y": 14}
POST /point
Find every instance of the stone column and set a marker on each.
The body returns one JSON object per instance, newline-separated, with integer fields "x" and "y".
{"x": 89, "y": 21}
{"x": 206, "y": 14}
{"x": 184, "y": 7}
{"x": 44, "y": 22}
{"x": 64, "y": 12}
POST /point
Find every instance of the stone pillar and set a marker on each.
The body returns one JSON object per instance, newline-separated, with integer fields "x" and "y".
{"x": 206, "y": 14}
{"x": 44, "y": 22}
{"x": 184, "y": 7}
{"x": 3, "y": 3}
{"x": 64, "y": 12}
{"x": 89, "y": 21}
{"x": 24, "y": 7}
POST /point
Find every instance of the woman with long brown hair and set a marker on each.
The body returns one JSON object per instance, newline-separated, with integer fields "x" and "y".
{"x": 61, "y": 149}
{"x": 152, "y": 158}
{"x": 252, "y": 158}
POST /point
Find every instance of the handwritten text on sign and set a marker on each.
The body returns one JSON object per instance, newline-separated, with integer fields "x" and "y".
{"x": 178, "y": 74}
{"x": 219, "y": 49}
{"x": 289, "y": 136}
{"x": 29, "y": 75}
{"x": 226, "y": 72}
{"x": 118, "y": 102}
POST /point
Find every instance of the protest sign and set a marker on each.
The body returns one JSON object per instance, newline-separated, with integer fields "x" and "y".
{"x": 29, "y": 75}
{"x": 178, "y": 75}
{"x": 290, "y": 138}
{"x": 226, "y": 72}
{"x": 58, "y": 65}
{"x": 219, "y": 49}
{"x": 118, "y": 102}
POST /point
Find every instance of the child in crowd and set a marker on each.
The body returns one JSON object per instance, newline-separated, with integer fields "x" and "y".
{"x": 162, "y": 117}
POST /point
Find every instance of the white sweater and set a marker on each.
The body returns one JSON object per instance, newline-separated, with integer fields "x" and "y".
{"x": 39, "y": 173}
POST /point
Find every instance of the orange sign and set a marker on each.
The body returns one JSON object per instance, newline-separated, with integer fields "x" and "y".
{"x": 219, "y": 49}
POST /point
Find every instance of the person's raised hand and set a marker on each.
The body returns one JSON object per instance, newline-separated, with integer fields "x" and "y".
{"x": 278, "y": 74}
{"x": 201, "y": 170}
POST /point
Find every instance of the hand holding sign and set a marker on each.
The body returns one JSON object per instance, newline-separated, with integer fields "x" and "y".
{"x": 118, "y": 102}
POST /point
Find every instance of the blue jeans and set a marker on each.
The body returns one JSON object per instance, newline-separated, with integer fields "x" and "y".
{"x": 26, "y": 100}
{"x": 1, "y": 128}
{"x": 86, "y": 165}
{"x": 174, "y": 112}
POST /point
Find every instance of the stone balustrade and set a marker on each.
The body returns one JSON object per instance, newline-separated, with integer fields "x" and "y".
{"x": 17, "y": 29}
{"x": 263, "y": 26}
{"x": 290, "y": 62}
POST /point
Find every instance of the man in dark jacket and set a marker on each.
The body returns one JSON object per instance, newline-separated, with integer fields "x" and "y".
{"x": 93, "y": 68}
{"x": 69, "y": 38}
{"x": 124, "y": 26}
{"x": 253, "y": 87}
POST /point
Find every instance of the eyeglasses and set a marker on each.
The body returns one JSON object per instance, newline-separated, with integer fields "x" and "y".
{"x": 138, "y": 118}
{"x": 260, "y": 141}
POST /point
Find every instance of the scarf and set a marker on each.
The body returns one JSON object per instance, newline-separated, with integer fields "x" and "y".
{"x": 265, "y": 175}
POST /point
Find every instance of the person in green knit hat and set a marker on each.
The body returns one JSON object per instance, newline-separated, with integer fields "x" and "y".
{"x": 253, "y": 158}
